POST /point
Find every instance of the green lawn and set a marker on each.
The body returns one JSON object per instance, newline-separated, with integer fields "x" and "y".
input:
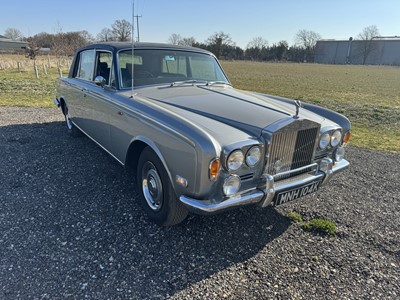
{"x": 368, "y": 95}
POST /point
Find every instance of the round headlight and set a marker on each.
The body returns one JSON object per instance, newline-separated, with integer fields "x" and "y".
{"x": 235, "y": 160}
{"x": 324, "y": 141}
{"x": 231, "y": 185}
{"x": 339, "y": 154}
{"x": 253, "y": 156}
{"x": 336, "y": 138}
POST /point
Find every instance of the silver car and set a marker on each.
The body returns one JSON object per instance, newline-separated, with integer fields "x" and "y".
{"x": 196, "y": 143}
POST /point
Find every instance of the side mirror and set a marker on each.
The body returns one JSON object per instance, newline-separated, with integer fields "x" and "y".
{"x": 100, "y": 81}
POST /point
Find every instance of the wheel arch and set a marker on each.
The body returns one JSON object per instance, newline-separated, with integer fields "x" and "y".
{"x": 135, "y": 149}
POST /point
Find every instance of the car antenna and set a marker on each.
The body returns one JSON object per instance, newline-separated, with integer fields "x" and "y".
{"x": 133, "y": 47}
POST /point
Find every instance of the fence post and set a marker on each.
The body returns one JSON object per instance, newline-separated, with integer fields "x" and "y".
{"x": 48, "y": 61}
{"x": 19, "y": 66}
{"x": 44, "y": 69}
{"x": 60, "y": 72}
{"x": 36, "y": 72}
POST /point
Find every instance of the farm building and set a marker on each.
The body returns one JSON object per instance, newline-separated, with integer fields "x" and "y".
{"x": 378, "y": 51}
{"x": 7, "y": 45}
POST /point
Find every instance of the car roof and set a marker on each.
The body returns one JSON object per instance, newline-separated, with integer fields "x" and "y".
{"x": 116, "y": 46}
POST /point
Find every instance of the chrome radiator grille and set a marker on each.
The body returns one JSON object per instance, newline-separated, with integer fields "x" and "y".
{"x": 291, "y": 149}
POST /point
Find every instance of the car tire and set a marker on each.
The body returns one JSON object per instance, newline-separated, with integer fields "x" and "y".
{"x": 157, "y": 196}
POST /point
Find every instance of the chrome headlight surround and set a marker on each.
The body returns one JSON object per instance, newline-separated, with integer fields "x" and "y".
{"x": 235, "y": 160}
{"x": 336, "y": 138}
{"x": 324, "y": 140}
{"x": 253, "y": 156}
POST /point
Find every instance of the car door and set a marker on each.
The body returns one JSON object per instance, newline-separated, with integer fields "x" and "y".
{"x": 79, "y": 84}
{"x": 90, "y": 107}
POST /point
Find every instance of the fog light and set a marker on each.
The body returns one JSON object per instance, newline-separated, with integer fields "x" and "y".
{"x": 339, "y": 155}
{"x": 231, "y": 185}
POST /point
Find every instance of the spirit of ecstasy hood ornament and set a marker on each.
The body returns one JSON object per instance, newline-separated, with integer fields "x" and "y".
{"x": 298, "y": 105}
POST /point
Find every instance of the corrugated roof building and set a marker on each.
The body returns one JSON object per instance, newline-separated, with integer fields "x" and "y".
{"x": 7, "y": 45}
{"x": 378, "y": 51}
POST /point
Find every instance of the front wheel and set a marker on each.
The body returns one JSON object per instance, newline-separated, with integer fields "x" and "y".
{"x": 157, "y": 196}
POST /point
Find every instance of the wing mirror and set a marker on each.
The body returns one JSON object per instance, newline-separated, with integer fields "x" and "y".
{"x": 100, "y": 81}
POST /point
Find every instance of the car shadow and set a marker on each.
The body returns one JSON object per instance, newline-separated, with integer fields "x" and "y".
{"x": 71, "y": 226}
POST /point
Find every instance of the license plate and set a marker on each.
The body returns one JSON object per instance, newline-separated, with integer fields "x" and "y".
{"x": 296, "y": 193}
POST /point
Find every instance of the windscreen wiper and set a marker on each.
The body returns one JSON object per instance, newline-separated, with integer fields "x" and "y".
{"x": 180, "y": 83}
{"x": 210, "y": 83}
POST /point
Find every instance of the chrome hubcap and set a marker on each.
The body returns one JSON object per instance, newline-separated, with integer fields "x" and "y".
{"x": 152, "y": 186}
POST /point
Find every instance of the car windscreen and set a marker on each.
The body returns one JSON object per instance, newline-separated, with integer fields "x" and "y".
{"x": 157, "y": 66}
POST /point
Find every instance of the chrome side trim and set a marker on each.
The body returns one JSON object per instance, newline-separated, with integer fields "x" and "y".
{"x": 101, "y": 146}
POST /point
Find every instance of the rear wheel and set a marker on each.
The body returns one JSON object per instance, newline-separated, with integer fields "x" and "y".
{"x": 157, "y": 196}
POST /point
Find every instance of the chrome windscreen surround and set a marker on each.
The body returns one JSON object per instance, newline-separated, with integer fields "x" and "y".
{"x": 293, "y": 143}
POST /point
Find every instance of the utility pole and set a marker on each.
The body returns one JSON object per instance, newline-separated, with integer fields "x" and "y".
{"x": 137, "y": 26}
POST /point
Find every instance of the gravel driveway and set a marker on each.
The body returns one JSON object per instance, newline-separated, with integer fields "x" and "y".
{"x": 70, "y": 228}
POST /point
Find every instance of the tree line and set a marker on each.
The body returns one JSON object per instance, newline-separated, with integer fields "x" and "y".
{"x": 219, "y": 43}
{"x": 258, "y": 49}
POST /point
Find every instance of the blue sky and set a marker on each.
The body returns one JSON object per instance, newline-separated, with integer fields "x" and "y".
{"x": 243, "y": 20}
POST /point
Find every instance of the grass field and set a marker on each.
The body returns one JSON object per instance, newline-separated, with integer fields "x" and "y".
{"x": 21, "y": 88}
{"x": 368, "y": 95}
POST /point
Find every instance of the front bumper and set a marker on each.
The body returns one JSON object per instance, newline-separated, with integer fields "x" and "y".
{"x": 264, "y": 196}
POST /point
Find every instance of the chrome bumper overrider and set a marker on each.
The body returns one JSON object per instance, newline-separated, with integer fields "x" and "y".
{"x": 265, "y": 196}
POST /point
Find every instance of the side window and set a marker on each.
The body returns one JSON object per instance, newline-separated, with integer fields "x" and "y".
{"x": 86, "y": 65}
{"x": 104, "y": 62}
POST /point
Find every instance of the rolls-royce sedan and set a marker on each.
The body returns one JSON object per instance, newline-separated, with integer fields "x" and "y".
{"x": 195, "y": 142}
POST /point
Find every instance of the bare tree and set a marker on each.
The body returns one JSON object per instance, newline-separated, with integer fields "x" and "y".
{"x": 88, "y": 37}
{"x": 32, "y": 49}
{"x": 258, "y": 42}
{"x": 256, "y": 48}
{"x": 174, "y": 39}
{"x": 13, "y": 34}
{"x": 105, "y": 35}
{"x": 177, "y": 39}
{"x": 307, "y": 39}
{"x": 367, "y": 45}
{"x": 218, "y": 41}
{"x": 188, "y": 41}
{"x": 122, "y": 30}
